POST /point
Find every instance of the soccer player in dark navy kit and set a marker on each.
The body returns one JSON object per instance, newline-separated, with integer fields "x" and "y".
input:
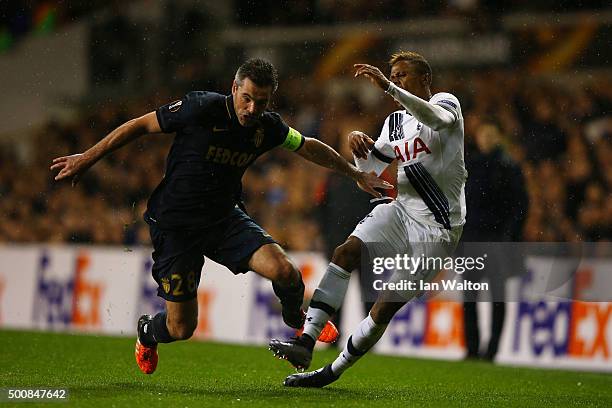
{"x": 196, "y": 209}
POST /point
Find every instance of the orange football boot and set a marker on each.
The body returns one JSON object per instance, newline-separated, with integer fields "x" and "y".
{"x": 146, "y": 356}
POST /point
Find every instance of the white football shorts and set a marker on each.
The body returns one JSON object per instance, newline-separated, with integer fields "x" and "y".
{"x": 389, "y": 231}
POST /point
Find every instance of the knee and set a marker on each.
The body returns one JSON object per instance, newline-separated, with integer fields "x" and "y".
{"x": 182, "y": 329}
{"x": 347, "y": 255}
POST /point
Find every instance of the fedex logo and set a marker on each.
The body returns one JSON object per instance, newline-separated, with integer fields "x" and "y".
{"x": 546, "y": 328}
{"x": 565, "y": 328}
{"x": 444, "y": 324}
{"x": 53, "y": 298}
{"x": 73, "y": 299}
{"x": 406, "y": 326}
{"x": 428, "y": 323}
{"x": 86, "y": 295}
{"x": 589, "y": 329}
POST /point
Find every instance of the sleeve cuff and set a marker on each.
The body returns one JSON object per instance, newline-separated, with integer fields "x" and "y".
{"x": 160, "y": 120}
{"x": 380, "y": 156}
{"x": 391, "y": 88}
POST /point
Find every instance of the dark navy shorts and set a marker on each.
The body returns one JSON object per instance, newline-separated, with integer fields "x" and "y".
{"x": 178, "y": 255}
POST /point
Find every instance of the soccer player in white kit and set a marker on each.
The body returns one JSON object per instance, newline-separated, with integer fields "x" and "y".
{"x": 426, "y": 140}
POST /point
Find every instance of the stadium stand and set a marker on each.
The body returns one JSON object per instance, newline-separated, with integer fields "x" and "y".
{"x": 569, "y": 182}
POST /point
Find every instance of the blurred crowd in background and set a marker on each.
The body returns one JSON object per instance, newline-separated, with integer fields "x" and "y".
{"x": 560, "y": 135}
{"x": 328, "y": 11}
{"x": 19, "y": 18}
{"x": 559, "y": 131}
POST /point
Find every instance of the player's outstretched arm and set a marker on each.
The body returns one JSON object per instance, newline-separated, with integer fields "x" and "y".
{"x": 75, "y": 165}
{"x": 323, "y": 155}
{"x": 431, "y": 115}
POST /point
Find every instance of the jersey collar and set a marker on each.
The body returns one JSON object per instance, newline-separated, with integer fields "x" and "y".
{"x": 231, "y": 113}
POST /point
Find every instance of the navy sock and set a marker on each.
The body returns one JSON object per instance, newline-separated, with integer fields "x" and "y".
{"x": 290, "y": 297}
{"x": 155, "y": 331}
{"x": 308, "y": 341}
{"x": 160, "y": 330}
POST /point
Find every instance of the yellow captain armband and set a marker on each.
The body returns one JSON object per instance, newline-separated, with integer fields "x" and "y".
{"x": 294, "y": 140}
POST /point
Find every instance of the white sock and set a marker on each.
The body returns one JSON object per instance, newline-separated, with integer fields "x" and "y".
{"x": 315, "y": 322}
{"x": 365, "y": 337}
{"x": 327, "y": 298}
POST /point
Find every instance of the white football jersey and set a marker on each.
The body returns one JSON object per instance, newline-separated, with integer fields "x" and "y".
{"x": 431, "y": 167}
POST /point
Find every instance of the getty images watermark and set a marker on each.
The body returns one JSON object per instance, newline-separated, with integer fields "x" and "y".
{"x": 411, "y": 273}
{"x": 487, "y": 271}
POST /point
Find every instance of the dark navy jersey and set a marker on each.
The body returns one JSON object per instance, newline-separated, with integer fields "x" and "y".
{"x": 210, "y": 153}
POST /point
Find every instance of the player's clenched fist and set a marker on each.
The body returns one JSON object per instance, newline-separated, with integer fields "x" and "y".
{"x": 360, "y": 144}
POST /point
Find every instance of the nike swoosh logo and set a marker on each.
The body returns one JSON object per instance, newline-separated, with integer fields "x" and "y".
{"x": 216, "y": 129}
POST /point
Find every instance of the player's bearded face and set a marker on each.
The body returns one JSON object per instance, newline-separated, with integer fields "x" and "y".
{"x": 250, "y": 101}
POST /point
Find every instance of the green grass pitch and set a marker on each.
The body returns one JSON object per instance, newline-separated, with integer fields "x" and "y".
{"x": 100, "y": 371}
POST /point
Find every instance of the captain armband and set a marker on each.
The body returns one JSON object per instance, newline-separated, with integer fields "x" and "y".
{"x": 294, "y": 140}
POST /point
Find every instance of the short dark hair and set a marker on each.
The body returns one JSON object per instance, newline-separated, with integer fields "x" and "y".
{"x": 258, "y": 70}
{"x": 419, "y": 62}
